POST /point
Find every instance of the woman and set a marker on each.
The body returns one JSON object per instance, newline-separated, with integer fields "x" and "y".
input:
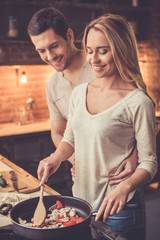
{"x": 107, "y": 118}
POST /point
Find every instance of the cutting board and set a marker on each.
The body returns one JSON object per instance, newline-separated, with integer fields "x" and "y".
{"x": 23, "y": 181}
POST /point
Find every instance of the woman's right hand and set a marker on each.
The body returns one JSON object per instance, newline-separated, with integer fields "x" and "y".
{"x": 114, "y": 202}
{"x": 47, "y": 167}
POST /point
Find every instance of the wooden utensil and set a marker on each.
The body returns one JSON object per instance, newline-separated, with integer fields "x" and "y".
{"x": 40, "y": 212}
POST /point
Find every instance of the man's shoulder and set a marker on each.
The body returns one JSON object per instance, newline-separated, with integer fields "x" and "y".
{"x": 55, "y": 76}
{"x": 87, "y": 73}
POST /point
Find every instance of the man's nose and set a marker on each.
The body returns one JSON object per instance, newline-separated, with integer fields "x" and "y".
{"x": 50, "y": 55}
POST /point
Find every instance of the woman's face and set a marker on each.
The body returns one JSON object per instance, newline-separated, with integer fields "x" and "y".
{"x": 99, "y": 54}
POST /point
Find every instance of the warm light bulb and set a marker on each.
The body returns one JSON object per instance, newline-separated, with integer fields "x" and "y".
{"x": 23, "y": 78}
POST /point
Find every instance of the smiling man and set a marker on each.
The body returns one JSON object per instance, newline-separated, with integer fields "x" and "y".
{"x": 54, "y": 41}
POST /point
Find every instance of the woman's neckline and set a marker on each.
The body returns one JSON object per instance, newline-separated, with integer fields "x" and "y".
{"x": 110, "y": 108}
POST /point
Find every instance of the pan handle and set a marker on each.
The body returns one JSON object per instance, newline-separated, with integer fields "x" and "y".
{"x": 104, "y": 229}
{"x": 5, "y": 208}
{"x": 94, "y": 213}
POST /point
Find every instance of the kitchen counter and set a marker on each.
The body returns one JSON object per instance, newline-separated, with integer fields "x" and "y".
{"x": 9, "y": 129}
{"x": 6, "y": 165}
{"x": 95, "y": 230}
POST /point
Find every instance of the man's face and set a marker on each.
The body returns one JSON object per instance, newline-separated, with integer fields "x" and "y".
{"x": 53, "y": 49}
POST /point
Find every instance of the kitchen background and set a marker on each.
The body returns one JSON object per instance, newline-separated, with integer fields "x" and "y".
{"x": 17, "y": 54}
{"x": 24, "y": 102}
{"x": 24, "y": 118}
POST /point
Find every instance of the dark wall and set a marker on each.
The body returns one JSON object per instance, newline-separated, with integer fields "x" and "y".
{"x": 145, "y": 17}
{"x": 22, "y": 13}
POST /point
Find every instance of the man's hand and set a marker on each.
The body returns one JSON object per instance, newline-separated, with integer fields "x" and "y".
{"x": 72, "y": 161}
{"x": 125, "y": 169}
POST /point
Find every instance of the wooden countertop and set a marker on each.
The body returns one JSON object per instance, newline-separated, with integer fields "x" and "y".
{"x": 9, "y": 129}
{"x": 5, "y": 164}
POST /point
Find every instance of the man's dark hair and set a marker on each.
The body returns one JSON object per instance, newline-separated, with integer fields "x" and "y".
{"x": 47, "y": 18}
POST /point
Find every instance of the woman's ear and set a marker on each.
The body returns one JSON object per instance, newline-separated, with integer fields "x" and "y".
{"x": 70, "y": 35}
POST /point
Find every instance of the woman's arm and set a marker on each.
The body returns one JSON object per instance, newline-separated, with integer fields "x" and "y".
{"x": 115, "y": 201}
{"x": 144, "y": 127}
{"x": 49, "y": 165}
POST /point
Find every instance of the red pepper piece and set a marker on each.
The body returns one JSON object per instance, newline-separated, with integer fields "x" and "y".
{"x": 58, "y": 220}
{"x": 74, "y": 217}
{"x": 80, "y": 219}
{"x": 59, "y": 204}
{"x": 69, "y": 223}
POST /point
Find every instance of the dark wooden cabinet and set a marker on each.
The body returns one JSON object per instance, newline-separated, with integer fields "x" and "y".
{"x": 28, "y": 149}
{"x": 21, "y": 11}
{"x": 18, "y": 50}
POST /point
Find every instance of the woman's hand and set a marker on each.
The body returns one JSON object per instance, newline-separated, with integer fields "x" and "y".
{"x": 49, "y": 165}
{"x": 46, "y": 168}
{"x": 114, "y": 202}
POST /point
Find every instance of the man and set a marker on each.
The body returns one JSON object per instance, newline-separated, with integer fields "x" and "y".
{"x": 54, "y": 41}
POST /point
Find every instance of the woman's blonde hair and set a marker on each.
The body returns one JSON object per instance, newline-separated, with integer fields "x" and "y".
{"x": 123, "y": 44}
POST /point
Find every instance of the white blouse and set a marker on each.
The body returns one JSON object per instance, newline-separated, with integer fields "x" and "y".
{"x": 102, "y": 141}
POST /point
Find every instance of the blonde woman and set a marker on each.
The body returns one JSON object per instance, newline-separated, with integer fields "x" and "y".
{"x": 107, "y": 118}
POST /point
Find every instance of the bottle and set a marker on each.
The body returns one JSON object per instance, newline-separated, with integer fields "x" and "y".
{"x": 13, "y": 31}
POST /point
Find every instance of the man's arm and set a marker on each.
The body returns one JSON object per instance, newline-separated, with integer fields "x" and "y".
{"x": 57, "y": 130}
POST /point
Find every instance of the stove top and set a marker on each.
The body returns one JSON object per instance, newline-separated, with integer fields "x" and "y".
{"x": 96, "y": 231}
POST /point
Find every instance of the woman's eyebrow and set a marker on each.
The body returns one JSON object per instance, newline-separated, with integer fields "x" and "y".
{"x": 99, "y": 47}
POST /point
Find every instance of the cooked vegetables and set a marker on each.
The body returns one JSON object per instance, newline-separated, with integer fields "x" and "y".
{"x": 59, "y": 216}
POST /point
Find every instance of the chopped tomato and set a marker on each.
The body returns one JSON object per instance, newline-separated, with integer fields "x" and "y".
{"x": 58, "y": 220}
{"x": 74, "y": 217}
{"x": 60, "y": 217}
{"x": 80, "y": 219}
{"x": 59, "y": 204}
{"x": 69, "y": 223}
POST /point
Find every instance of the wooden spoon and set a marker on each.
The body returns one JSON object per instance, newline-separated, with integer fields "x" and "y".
{"x": 40, "y": 212}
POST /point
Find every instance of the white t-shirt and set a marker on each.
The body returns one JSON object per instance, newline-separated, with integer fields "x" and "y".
{"x": 59, "y": 91}
{"x": 102, "y": 141}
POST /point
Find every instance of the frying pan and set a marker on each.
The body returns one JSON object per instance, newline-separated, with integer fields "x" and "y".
{"x": 25, "y": 210}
